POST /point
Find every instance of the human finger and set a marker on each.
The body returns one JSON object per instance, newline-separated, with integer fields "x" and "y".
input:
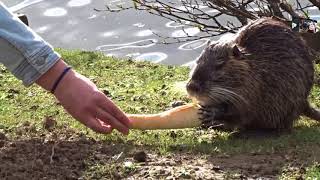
{"x": 106, "y": 104}
{"x": 98, "y": 126}
{"x": 107, "y": 118}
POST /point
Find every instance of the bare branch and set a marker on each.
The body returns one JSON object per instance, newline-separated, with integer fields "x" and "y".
{"x": 275, "y": 8}
{"x": 228, "y": 7}
{"x": 213, "y": 23}
{"x": 288, "y": 8}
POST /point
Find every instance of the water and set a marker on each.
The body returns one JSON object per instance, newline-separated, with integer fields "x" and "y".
{"x": 16, "y": 5}
{"x": 73, "y": 24}
{"x": 11, "y": 3}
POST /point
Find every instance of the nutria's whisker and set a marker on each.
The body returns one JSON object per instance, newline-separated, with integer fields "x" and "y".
{"x": 225, "y": 95}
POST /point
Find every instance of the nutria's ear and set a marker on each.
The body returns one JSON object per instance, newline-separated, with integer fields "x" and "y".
{"x": 236, "y": 52}
{"x": 209, "y": 42}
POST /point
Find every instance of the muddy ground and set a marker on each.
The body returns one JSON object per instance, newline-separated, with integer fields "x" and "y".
{"x": 67, "y": 154}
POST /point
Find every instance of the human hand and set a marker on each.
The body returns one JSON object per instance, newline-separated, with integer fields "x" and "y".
{"x": 81, "y": 99}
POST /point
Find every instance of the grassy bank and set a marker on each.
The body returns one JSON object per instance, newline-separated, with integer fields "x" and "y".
{"x": 139, "y": 87}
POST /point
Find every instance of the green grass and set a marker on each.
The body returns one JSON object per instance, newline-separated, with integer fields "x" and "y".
{"x": 142, "y": 87}
{"x": 313, "y": 172}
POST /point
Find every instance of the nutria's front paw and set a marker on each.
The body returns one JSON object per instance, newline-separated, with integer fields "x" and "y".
{"x": 209, "y": 116}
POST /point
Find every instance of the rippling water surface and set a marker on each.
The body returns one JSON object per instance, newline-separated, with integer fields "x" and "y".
{"x": 74, "y": 24}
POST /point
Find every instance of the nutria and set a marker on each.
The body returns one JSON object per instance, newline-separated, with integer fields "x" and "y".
{"x": 259, "y": 79}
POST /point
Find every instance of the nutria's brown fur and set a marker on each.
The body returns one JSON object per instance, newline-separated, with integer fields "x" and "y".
{"x": 261, "y": 77}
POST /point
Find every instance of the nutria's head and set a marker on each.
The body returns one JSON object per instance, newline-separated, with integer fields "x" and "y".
{"x": 219, "y": 75}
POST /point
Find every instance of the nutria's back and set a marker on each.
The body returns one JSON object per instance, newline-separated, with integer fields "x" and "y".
{"x": 262, "y": 76}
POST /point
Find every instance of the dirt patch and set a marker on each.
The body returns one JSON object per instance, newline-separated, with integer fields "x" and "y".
{"x": 70, "y": 155}
{"x": 240, "y": 166}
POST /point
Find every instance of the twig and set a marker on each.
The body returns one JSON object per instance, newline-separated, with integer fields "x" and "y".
{"x": 288, "y": 8}
{"x": 52, "y": 153}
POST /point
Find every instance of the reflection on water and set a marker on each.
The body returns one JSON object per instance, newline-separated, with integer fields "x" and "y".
{"x": 155, "y": 57}
{"x": 55, "y": 12}
{"x": 108, "y": 34}
{"x": 137, "y": 44}
{"x": 172, "y": 24}
{"x": 116, "y": 4}
{"x": 42, "y": 29}
{"x": 144, "y": 33}
{"x": 16, "y": 5}
{"x": 93, "y": 16}
{"x": 78, "y": 3}
{"x": 10, "y": 3}
{"x": 131, "y": 55}
{"x": 72, "y": 22}
{"x": 194, "y": 44}
{"x": 185, "y": 32}
{"x": 212, "y": 11}
{"x": 140, "y": 25}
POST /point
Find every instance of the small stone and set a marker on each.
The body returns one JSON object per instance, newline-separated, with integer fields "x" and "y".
{"x": 216, "y": 168}
{"x": 34, "y": 107}
{"x": 242, "y": 176}
{"x": 3, "y": 136}
{"x": 185, "y": 176}
{"x": 26, "y": 123}
{"x": 140, "y": 156}
{"x": 128, "y": 164}
{"x": 106, "y": 92}
{"x": 302, "y": 170}
{"x": 2, "y": 143}
{"x": 170, "y": 178}
{"x": 300, "y": 177}
{"x": 39, "y": 162}
{"x": 163, "y": 93}
{"x": 19, "y": 131}
{"x": 173, "y": 134}
{"x": 162, "y": 172}
{"x": 13, "y": 91}
{"x": 256, "y": 167}
{"x": 177, "y": 103}
{"x": 170, "y": 163}
{"x": 49, "y": 123}
{"x": 255, "y": 153}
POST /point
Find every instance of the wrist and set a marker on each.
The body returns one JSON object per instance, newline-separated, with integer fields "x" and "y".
{"x": 57, "y": 82}
{"x": 48, "y": 80}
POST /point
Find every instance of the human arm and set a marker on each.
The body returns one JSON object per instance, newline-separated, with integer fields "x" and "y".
{"x": 82, "y": 99}
{"x": 31, "y": 59}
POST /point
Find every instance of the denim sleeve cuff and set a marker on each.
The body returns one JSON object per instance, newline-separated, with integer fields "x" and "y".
{"x": 42, "y": 62}
{"x": 23, "y": 52}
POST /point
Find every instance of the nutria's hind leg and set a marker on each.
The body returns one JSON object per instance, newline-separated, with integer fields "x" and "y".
{"x": 311, "y": 112}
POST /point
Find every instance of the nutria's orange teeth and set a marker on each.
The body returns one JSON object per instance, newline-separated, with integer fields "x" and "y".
{"x": 185, "y": 116}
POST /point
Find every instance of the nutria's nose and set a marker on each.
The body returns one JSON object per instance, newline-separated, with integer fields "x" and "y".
{"x": 193, "y": 86}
